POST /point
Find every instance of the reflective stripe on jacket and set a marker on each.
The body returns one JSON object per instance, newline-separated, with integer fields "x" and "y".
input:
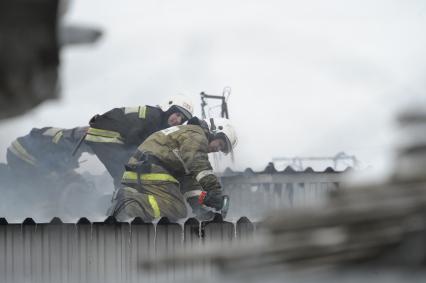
{"x": 99, "y": 135}
{"x": 19, "y": 151}
{"x": 130, "y": 177}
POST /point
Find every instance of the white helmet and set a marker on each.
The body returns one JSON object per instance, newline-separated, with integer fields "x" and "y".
{"x": 179, "y": 103}
{"x": 222, "y": 126}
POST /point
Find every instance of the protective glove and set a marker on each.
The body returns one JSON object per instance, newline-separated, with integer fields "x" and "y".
{"x": 200, "y": 211}
{"x": 213, "y": 198}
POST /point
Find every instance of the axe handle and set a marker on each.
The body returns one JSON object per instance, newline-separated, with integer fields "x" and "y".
{"x": 77, "y": 146}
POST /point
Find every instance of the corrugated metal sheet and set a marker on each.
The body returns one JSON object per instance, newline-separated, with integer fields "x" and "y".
{"x": 271, "y": 169}
{"x": 110, "y": 251}
{"x": 107, "y": 251}
{"x": 254, "y": 193}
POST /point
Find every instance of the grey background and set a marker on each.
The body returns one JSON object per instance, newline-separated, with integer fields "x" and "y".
{"x": 307, "y": 77}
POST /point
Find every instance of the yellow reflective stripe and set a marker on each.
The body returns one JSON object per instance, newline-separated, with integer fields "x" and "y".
{"x": 20, "y": 156}
{"x": 104, "y": 133}
{"x": 20, "y": 151}
{"x": 142, "y": 112}
{"x": 99, "y": 135}
{"x": 154, "y": 204}
{"x": 203, "y": 174}
{"x": 57, "y": 137}
{"x": 128, "y": 110}
{"x": 133, "y": 176}
{"x": 52, "y": 131}
{"x": 95, "y": 138}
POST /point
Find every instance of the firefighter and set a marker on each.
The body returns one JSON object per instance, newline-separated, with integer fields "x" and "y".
{"x": 174, "y": 157}
{"x": 115, "y": 135}
{"x": 42, "y": 175}
{"x": 44, "y": 156}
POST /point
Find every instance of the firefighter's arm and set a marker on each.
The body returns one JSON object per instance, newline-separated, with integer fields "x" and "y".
{"x": 191, "y": 191}
{"x": 193, "y": 149}
{"x": 194, "y": 153}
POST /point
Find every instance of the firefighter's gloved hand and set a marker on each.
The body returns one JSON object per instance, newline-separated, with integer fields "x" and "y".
{"x": 200, "y": 211}
{"x": 213, "y": 198}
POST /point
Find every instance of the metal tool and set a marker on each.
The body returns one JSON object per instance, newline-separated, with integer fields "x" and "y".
{"x": 77, "y": 146}
{"x": 225, "y": 207}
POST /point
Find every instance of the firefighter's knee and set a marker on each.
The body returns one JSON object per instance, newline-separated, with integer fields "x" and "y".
{"x": 129, "y": 203}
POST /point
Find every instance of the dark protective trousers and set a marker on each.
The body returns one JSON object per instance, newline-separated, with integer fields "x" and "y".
{"x": 151, "y": 197}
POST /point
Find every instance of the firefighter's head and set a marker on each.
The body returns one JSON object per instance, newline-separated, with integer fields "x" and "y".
{"x": 222, "y": 135}
{"x": 178, "y": 109}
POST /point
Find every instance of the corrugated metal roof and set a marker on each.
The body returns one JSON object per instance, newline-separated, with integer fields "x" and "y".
{"x": 110, "y": 251}
{"x": 252, "y": 193}
{"x": 106, "y": 251}
{"x": 271, "y": 169}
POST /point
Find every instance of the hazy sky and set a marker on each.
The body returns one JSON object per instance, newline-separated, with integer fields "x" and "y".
{"x": 308, "y": 78}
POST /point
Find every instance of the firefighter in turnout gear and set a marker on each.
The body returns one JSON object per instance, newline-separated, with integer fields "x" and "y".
{"x": 174, "y": 157}
{"x": 42, "y": 174}
{"x": 115, "y": 135}
{"x": 45, "y": 155}
{"x": 45, "y": 150}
